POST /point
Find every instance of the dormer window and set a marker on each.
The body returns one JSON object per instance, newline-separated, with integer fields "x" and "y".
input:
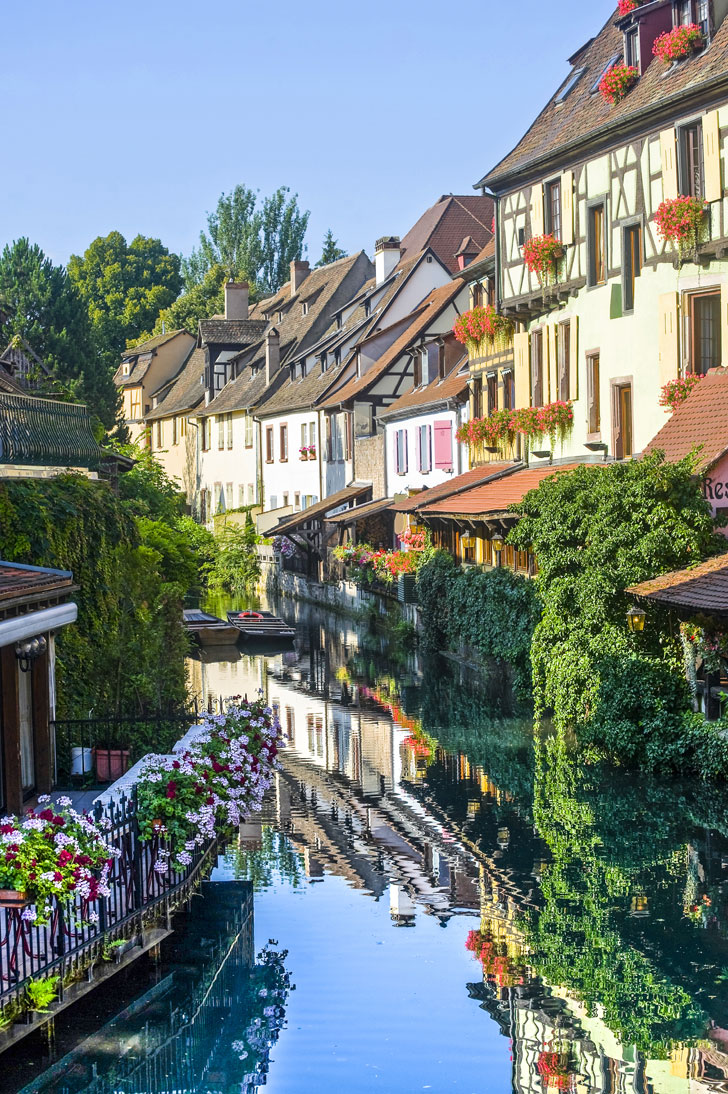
{"x": 304, "y": 308}
{"x": 367, "y": 307}
{"x": 693, "y": 11}
{"x": 125, "y": 368}
{"x": 280, "y": 316}
{"x": 570, "y": 84}
{"x": 324, "y": 362}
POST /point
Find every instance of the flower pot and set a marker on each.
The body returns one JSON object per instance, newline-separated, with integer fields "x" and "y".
{"x": 157, "y": 824}
{"x": 13, "y": 898}
{"x": 111, "y": 763}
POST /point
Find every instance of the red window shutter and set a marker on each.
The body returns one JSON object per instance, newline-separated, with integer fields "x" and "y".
{"x": 443, "y": 446}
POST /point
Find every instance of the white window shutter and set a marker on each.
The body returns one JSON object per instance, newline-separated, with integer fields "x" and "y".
{"x": 711, "y": 157}
{"x": 537, "y": 209}
{"x": 668, "y": 152}
{"x": 567, "y": 208}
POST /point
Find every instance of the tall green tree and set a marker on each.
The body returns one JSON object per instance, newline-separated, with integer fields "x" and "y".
{"x": 43, "y": 306}
{"x": 124, "y": 287}
{"x": 331, "y": 252}
{"x": 248, "y": 240}
{"x": 200, "y": 301}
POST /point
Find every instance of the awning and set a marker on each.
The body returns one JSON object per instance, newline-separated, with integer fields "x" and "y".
{"x": 319, "y": 510}
{"x": 496, "y": 496}
{"x": 361, "y": 512}
{"x": 31, "y": 624}
{"x": 701, "y": 590}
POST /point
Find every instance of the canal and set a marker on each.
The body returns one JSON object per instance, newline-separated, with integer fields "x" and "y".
{"x": 436, "y": 897}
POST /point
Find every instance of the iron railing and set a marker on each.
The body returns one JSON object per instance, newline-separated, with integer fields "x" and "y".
{"x": 44, "y": 432}
{"x": 100, "y": 750}
{"x": 69, "y": 944}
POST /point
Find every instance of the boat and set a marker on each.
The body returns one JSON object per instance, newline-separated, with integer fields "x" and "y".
{"x": 208, "y": 629}
{"x": 261, "y": 626}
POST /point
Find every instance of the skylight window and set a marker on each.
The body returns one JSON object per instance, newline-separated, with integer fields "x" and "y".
{"x": 570, "y": 84}
{"x": 610, "y": 64}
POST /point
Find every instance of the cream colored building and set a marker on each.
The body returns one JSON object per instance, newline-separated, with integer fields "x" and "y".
{"x": 144, "y": 371}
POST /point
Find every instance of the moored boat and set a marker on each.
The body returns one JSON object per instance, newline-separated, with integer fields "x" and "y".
{"x": 261, "y": 625}
{"x": 208, "y": 629}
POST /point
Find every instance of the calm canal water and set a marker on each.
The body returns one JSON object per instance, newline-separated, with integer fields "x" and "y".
{"x": 434, "y": 898}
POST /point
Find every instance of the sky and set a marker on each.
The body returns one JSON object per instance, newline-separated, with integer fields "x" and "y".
{"x": 136, "y": 116}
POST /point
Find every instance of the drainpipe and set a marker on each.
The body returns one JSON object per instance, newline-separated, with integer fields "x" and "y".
{"x": 498, "y": 267}
{"x": 320, "y": 454}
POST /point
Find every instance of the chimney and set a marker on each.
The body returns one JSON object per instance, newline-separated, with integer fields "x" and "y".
{"x": 236, "y": 299}
{"x": 387, "y": 253}
{"x": 272, "y": 354}
{"x": 299, "y": 272}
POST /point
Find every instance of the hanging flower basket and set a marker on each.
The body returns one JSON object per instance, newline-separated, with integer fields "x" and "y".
{"x": 617, "y": 81}
{"x": 482, "y": 329}
{"x": 680, "y": 221}
{"x": 676, "y": 391}
{"x": 555, "y": 420}
{"x": 678, "y": 43}
{"x": 542, "y": 255}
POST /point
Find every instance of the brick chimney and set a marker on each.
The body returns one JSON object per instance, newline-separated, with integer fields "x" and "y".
{"x": 236, "y": 299}
{"x": 387, "y": 253}
{"x": 272, "y": 354}
{"x": 299, "y": 272}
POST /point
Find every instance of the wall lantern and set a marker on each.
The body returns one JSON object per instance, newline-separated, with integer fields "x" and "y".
{"x": 636, "y": 620}
{"x": 498, "y": 543}
{"x": 30, "y": 650}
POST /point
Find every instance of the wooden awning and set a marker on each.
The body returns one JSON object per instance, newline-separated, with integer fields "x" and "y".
{"x": 700, "y": 590}
{"x": 361, "y": 512}
{"x": 318, "y": 511}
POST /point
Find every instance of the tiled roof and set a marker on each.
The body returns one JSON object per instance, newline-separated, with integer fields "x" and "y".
{"x": 151, "y": 344}
{"x": 187, "y": 392}
{"x": 496, "y": 496}
{"x": 583, "y": 113}
{"x": 702, "y": 588}
{"x": 361, "y": 512}
{"x": 136, "y": 373}
{"x": 321, "y": 508}
{"x": 244, "y": 392}
{"x": 231, "y": 332}
{"x": 419, "y": 398}
{"x": 452, "y": 487}
{"x": 700, "y": 422}
{"x": 7, "y": 383}
{"x": 422, "y": 317}
{"x": 444, "y": 226}
{"x": 20, "y": 581}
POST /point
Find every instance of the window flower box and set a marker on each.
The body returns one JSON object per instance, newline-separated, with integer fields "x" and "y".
{"x": 680, "y": 221}
{"x": 542, "y": 255}
{"x": 312, "y": 452}
{"x": 676, "y": 392}
{"x": 678, "y": 43}
{"x": 303, "y": 451}
{"x": 617, "y": 81}
{"x": 12, "y": 898}
{"x": 482, "y": 329}
{"x": 555, "y": 420}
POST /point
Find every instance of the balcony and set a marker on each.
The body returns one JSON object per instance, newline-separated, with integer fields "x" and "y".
{"x": 46, "y": 433}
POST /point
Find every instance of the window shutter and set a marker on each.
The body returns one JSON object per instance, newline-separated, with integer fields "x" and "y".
{"x": 405, "y": 452}
{"x": 574, "y": 358}
{"x": 420, "y": 464}
{"x": 443, "y": 445}
{"x": 537, "y": 210}
{"x": 668, "y": 152}
{"x": 552, "y": 383}
{"x": 567, "y": 208}
{"x": 397, "y": 448}
{"x": 711, "y": 157}
{"x": 724, "y": 323}
{"x": 668, "y": 337}
{"x": 522, "y": 362}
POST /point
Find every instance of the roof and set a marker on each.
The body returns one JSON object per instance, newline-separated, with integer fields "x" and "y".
{"x": 320, "y": 509}
{"x": 444, "y": 226}
{"x": 231, "y": 332}
{"x": 187, "y": 392}
{"x": 583, "y": 114}
{"x": 702, "y": 588}
{"x": 361, "y": 512}
{"x": 244, "y": 392}
{"x": 455, "y": 384}
{"x": 150, "y": 344}
{"x": 453, "y": 486}
{"x": 22, "y": 581}
{"x": 430, "y": 308}
{"x": 496, "y": 496}
{"x": 700, "y": 422}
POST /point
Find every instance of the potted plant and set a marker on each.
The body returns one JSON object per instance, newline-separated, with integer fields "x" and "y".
{"x": 680, "y": 221}
{"x": 542, "y": 255}
{"x": 678, "y": 43}
{"x": 676, "y": 392}
{"x": 482, "y": 328}
{"x": 110, "y": 763}
{"x": 303, "y": 451}
{"x": 312, "y": 452}
{"x": 617, "y": 81}
{"x": 41, "y": 993}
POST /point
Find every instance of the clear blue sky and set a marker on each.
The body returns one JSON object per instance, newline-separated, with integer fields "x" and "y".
{"x": 136, "y": 115}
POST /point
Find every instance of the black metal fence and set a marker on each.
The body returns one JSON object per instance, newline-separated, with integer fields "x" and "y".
{"x": 143, "y": 887}
{"x": 94, "y": 751}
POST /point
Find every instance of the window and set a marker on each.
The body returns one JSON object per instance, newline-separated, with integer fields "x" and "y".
{"x": 622, "y": 420}
{"x": 217, "y": 497}
{"x": 610, "y": 64}
{"x": 273, "y": 501}
{"x": 312, "y": 434}
{"x": 477, "y": 295}
{"x": 297, "y": 500}
{"x": 694, "y": 11}
{"x": 183, "y": 426}
{"x": 304, "y": 437}
{"x": 596, "y": 241}
{"x": 349, "y": 427}
{"x": 125, "y": 368}
{"x": 490, "y": 291}
{"x": 269, "y": 444}
{"x": 537, "y": 368}
{"x": 324, "y": 361}
{"x": 280, "y": 316}
{"x": 135, "y": 402}
{"x": 400, "y": 452}
{"x": 175, "y": 434}
{"x": 594, "y": 417}
{"x": 441, "y": 363}
{"x": 690, "y": 160}
{"x": 632, "y": 47}
{"x": 477, "y": 397}
{"x": 509, "y": 390}
{"x": 284, "y": 443}
{"x": 220, "y": 431}
{"x": 631, "y": 262}
{"x": 285, "y": 499}
{"x": 229, "y": 430}
{"x": 290, "y": 724}
{"x": 553, "y": 208}
{"x": 424, "y": 448}
{"x": 252, "y": 499}
{"x": 304, "y": 308}
{"x": 228, "y": 495}
{"x": 241, "y": 497}
{"x": 206, "y": 434}
{"x": 564, "y": 359}
{"x": 432, "y": 362}
{"x": 570, "y": 84}
{"x": 492, "y": 389}
{"x": 160, "y": 433}
{"x": 417, "y": 369}
{"x": 248, "y": 430}
{"x": 703, "y": 335}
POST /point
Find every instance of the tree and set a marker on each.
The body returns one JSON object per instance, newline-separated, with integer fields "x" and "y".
{"x": 200, "y": 301}
{"x": 331, "y": 251}
{"x": 236, "y": 569}
{"x": 43, "y": 305}
{"x": 248, "y": 242}
{"x": 124, "y": 287}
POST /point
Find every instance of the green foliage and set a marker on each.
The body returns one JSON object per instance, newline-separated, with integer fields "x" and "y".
{"x": 250, "y": 242}
{"x": 331, "y": 252}
{"x": 45, "y": 308}
{"x": 201, "y": 300}
{"x": 41, "y": 993}
{"x": 236, "y": 569}
{"x": 147, "y": 489}
{"x": 124, "y": 287}
{"x": 492, "y": 612}
{"x": 596, "y": 531}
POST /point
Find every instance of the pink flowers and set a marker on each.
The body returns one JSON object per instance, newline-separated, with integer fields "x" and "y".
{"x": 626, "y": 6}
{"x": 541, "y": 255}
{"x": 677, "y": 43}
{"x": 616, "y": 82}
{"x": 676, "y": 391}
{"x": 482, "y": 327}
{"x": 553, "y": 420}
{"x": 679, "y": 219}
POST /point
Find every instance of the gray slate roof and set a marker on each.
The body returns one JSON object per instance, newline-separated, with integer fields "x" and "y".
{"x": 187, "y": 392}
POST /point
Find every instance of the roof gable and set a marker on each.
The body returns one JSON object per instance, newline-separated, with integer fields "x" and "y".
{"x": 446, "y": 224}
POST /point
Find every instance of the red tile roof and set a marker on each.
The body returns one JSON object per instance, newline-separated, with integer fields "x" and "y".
{"x": 447, "y": 489}
{"x": 444, "y": 226}
{"x": 700, "y": 422}
{"x": 21, "y": 581}
{"x": 701, "y": 589}
{"x": 496, "y": 496}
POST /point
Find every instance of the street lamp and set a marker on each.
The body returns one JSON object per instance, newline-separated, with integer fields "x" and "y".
{"x": 498, "y": 546}
{"x": 636, "y": 620}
